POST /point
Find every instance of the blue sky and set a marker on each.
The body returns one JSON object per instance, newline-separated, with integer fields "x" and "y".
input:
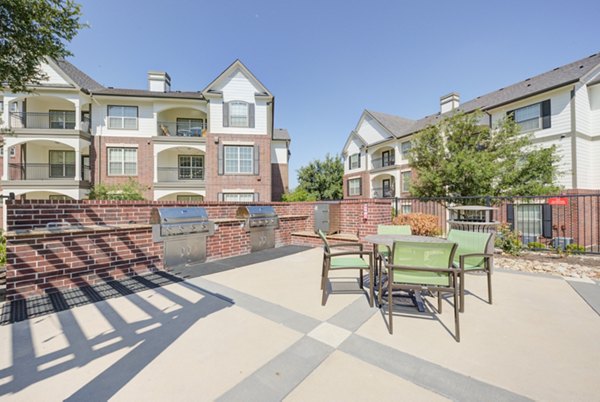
{"x": 327, "y": 61}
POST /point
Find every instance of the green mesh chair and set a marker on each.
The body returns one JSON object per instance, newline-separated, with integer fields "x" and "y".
{"x": 345, "y": 259}
{"x": 472, "y": 255}
{"x": 384, "y": 251}
{"x": 422, "y": 266}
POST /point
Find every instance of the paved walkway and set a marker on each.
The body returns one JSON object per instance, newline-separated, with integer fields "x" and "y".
{"x": 258, "y": 332}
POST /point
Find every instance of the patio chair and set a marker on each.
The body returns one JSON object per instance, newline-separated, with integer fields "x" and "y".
{"x": 384, "y": 251}
{"x": 345, "y": 259}
{"x": 419, "y": 266}
{"x": 472, "y": 255}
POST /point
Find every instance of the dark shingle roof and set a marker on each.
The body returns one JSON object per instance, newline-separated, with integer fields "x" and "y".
{"x": 79, "y": 77}
{"x": 395, "y": 124}
{"x": 148, "y": 94}
{"x": 555, "y": 78}
{"x": 281, "y": 134}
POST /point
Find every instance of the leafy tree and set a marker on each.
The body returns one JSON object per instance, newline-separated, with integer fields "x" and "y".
{"x": 131, "y": 191}
{"x": 322, "y": 179}
{"x": 31, "y": 30}
{"x": 299, "y": 194}
{"x": 459, "y": 157}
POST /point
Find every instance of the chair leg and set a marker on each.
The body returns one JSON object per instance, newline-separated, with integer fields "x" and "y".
{"x": 489, "y": 278}
{"x": 462, "y": 291}
{"x": 324, "y": 283}
{"x": 456, "y": 314}
{"x": 380, "y": 289}
{"x": 371, "y": 290}
{"x": 360, "y": 280}
{"x": 390, "y": 304}
{"x": 439, "y": 302}
{"x": 322, "y": 273}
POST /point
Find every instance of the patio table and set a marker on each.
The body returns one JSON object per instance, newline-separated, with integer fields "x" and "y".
{"x": 389, "y": 239}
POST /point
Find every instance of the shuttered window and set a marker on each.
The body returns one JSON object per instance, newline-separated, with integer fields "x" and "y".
{"x": 354, "y": 161}
{"x": 239, "y": 159}
{"x": 533, "y": 117}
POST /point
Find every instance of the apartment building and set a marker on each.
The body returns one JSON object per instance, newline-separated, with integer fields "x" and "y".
{"x": 215, "y": 144}
{"x": 560, "y": 107}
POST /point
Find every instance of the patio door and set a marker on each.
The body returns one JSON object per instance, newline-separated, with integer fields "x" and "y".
{"x": 191, "y": 167}
{"x": 387, "y": 187}
{"x": 386, "y": 159}
{"x": 62, "y": 164}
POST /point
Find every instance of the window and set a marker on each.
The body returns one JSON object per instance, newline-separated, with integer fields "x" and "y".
{"x": 238, "y": 114}
{"x": 239, "y": 159}
{"x": 354, "y": 187}
{"x": 406, "y": 208}
{"x": 405, "y": 176}
{"x": 190, "y": 127}
{"x": 405, "y": 149}
{"x": 386, "y": 185}
{"x": 13, "y": 152}
{"x": 387, "y": 158}
{"x": 1, "y": 106}
{"x": 191, "y": 167}
{"x": 122, "y": 161}
{"x": 190, "y": 198}
{"x": 59, "y": 197}
{"x": 238, "y": 197}
{"x": 354, "y": 161}
{"x": 529, "y": 219}
{"x": 123, "y": 117}
{"x": 532, "y": 117}
{"x": 64, "y": 119}
{"x": 62, "y": 164}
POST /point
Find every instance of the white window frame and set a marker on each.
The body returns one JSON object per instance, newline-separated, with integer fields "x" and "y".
{"x": 354, "y": 190}
{"x": 354, "y": 163}
{"x": 537, "y": 119}
{"x": 189, "y": 198}
{"x": 405, "y": 187}
{"x": 529, "y": 219}
{"x": 113, "y": 118}
{"x": 237, "y": 117}
{"x": 111, "y": 151}
{"x": 405, "y": 148}
{"x": 238, "y": 197}
{"x": 237, "y": 169}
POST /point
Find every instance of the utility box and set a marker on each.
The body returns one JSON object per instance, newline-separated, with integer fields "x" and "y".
{"x": 327, "y": 217}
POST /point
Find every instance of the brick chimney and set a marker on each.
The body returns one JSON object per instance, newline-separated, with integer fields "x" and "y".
{"x": 449, "y": 102}
{"x": 159, "y": 81}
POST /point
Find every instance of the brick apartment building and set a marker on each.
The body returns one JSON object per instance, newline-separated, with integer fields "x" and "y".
{"x": 215, "y": 144}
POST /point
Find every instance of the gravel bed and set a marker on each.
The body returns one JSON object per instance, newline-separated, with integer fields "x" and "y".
{"x": 586, "y": 266}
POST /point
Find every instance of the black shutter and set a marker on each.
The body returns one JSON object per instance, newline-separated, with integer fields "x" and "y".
{"x": 510, "y": 114}
{"x": 510, "y": 215}
{"x": 546, "y": 123}
{"x": 256, "y": 159}
{"x": 251, "y": 115}
{"x": 349, "y": 162}
{"x": 547, "y": 221}
{"x": 225, "y": 114}
{"x": 358, "y": 156}
{"x": 348, "y": 188}
{"x": 360, "y": 186}
{"x": 220, "y": 160}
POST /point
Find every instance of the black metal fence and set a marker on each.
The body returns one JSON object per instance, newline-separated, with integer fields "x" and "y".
{"x": 543, "y": 222}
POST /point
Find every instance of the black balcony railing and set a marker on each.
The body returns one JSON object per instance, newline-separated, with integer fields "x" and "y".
{"x": 382, "y": 162}
{"x": 182, "y": 173}
{"x": 45, "y": 171}
{"x": 59, "y": 120}
{"x": 187, "y": 128}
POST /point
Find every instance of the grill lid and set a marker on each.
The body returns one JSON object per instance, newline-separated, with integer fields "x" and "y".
{"x": 255, "y": 211}
{"x": 171, "y": 215}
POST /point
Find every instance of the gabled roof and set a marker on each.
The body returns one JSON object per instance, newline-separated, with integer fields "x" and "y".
{"x": 396, "y": 125}
{"x": 354, "y": 134}
{"x": 79, "y": 78}
{"x": 237, "y": 64}
{"x": 281, "y": 134}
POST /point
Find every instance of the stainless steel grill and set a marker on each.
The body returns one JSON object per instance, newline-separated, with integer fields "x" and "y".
{"x": 260, "y": 222}
{"x": 183, "y": 232}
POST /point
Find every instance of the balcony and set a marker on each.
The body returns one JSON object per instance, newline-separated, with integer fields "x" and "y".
{"x": 384, "y": 162}
{"x": 182, "y": 128}
{"x": 56, "y": 120}
{"x": 178, "y": 174}
{"x": 45, "y": 171}
{"x": 383, "y": 192}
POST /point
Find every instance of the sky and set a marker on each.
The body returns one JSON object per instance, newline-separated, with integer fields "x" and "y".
{"x": 326, "y": 61}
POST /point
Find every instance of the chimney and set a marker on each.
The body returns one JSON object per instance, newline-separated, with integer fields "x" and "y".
{"x": 449, "y": 102}
{"x": 159, "y": 81}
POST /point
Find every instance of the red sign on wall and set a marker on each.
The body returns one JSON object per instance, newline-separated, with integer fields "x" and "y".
{"x": 558, "y": 201}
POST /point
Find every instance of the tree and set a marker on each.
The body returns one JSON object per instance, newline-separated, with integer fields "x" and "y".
{"x": 130, "y": 191}
{"x": 322, "y": 180}
{"x": 31, "y": 30}
{"x": 299, "y": 194}
{"x": 459, "y": 157}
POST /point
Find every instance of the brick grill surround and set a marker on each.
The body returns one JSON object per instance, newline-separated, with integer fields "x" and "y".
{"x": 114, "y": 238}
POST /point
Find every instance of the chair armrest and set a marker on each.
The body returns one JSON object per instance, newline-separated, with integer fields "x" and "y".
{"x": 340, "y": 253}
{"x": 428, "y": 269}
{"x": 462, "y": 257}
{"x": 359, "y": 245}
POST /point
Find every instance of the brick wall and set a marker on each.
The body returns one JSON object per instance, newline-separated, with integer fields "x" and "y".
{"x": 279, "y": 180}
{"x": 116, "y": 239}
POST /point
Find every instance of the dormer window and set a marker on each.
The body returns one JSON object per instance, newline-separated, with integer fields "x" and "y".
{"x": 238, "y": 114}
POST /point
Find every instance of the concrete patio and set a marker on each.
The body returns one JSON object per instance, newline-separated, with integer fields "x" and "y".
{"x": 258, "y": 332}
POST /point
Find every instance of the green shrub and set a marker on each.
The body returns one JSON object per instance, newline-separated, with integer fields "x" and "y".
{"x": 508, "y": 240}
{"x": 420, "y": 224}
{"x": 131, "y": 191}
{"x": 2, "y": 249}
{"x": 575, "y": 248}
{"x": 535, "y": 245}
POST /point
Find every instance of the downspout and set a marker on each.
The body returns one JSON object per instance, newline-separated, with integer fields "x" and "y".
{"x": 573, "y": 140}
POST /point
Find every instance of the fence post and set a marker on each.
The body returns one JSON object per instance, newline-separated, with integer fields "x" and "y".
{"x": 395, "y": 207}
{"x": 488, "y": 201}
